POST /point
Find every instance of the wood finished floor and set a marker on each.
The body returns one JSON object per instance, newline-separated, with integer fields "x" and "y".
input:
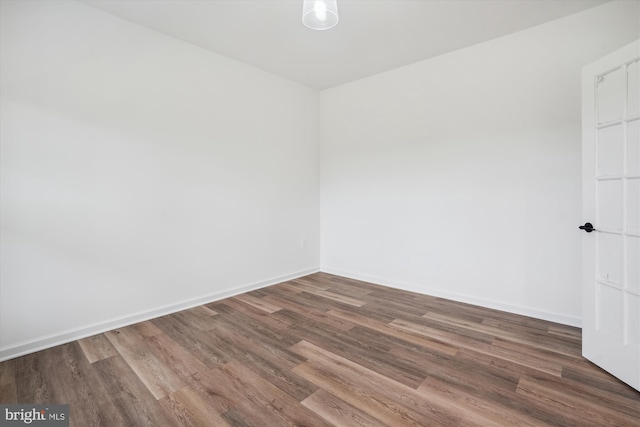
{"x": 324, "y": 350}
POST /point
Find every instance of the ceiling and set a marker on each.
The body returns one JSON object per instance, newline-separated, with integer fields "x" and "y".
{"x": 372, "y": 36}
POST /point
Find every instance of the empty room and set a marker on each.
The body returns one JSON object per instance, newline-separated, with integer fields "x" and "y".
{"x": 320, "y": 213}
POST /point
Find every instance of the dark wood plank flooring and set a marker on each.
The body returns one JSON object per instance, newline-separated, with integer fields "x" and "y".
{"x": 325, "y": 350}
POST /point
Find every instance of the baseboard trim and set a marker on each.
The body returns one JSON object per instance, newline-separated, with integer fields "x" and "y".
{"x": 31, "y": 346}
{"x": 469, "y": 299}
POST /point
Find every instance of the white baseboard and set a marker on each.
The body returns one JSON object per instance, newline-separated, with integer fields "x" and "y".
{"x": 469, "y": 299}
{"x": 31, "y": 346}
{"x": 63, "y": 337}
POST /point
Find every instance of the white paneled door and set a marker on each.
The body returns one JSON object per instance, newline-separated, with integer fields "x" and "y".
{"x": 611, "y": 210}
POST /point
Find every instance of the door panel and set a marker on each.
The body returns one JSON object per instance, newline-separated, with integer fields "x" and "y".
{"x": 609, "y": 260}
{"x": 610, "y": 300}
{"x": 633, "y": 206}
{"x": 633, "y": 321}
{"x": 610, "y": 150}
{"x": 633, "y": 147}
{"x": 633, "y": 89}
{"x": 633, "y": 268}
{"x": 611, "y": 201}
{"x": 609, "y": 216}
{"x": 610, "y": 93}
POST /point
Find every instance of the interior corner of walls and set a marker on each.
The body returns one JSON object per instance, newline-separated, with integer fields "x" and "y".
{"x": 460, "y": 297}
{"x": 41, "y": 343}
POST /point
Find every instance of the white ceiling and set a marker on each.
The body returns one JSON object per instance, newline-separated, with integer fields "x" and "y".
{"x": 372, "y": 36}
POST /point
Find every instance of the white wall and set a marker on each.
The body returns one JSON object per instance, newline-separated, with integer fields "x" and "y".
{"x": 459, "y": 176}
{"x": 140, "y": 174}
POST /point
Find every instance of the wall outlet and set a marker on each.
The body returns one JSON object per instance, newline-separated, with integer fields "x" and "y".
{"x": 302, "y": 242}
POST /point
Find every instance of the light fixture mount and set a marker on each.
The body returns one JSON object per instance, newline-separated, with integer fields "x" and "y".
{"x": 320, "y": 14}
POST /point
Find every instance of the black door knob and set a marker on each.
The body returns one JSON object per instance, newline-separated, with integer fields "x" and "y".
{"x": 588, "y": 227}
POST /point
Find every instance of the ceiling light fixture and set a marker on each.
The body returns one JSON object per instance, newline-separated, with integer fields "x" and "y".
{"x": 320, "y": 14}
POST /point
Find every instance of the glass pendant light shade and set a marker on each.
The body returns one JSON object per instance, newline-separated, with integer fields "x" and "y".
{"x": 320, "y": 14}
